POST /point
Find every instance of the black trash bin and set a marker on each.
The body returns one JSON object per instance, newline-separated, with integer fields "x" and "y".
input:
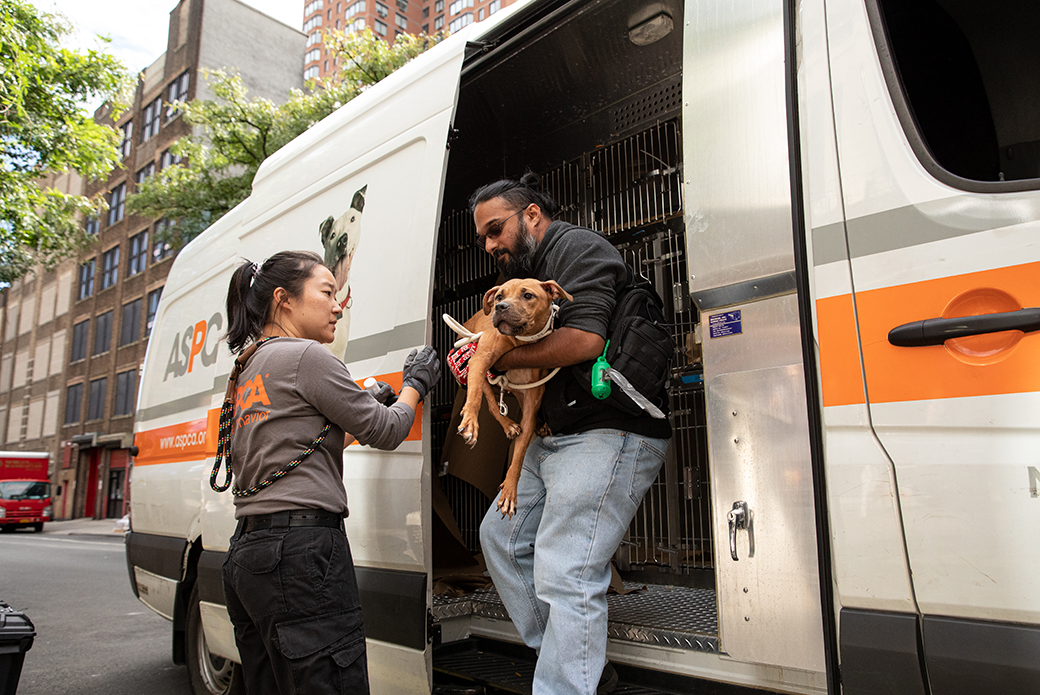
{"x": 16, "y": 638}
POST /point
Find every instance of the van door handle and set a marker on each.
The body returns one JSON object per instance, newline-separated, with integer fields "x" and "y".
{"x": 938, "y": 331}
{"x": 739, "y": 518}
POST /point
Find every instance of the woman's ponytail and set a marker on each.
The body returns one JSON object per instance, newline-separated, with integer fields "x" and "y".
{"x": 251, "y": 292}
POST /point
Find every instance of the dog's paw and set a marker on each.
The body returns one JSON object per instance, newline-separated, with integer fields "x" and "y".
{"x": 468, "y": 430}
{"x": 507, "y": 499}
{"x": 512, "y": 430}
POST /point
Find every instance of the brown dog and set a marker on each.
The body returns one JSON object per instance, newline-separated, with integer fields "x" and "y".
{"x": 515, "y": 309}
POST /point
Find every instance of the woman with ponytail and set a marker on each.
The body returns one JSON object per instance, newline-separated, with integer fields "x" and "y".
{"x": 289, "y": 580}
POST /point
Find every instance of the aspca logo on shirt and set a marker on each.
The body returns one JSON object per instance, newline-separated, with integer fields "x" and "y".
{"x": 250, "y": 394}
{"x": 198, "y": 341}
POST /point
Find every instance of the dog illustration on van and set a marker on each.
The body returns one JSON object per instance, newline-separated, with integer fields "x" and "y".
{"x": 340, "y": 239}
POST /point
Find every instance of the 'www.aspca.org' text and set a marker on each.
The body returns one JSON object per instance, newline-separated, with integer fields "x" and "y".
{"x": 182, "y": 441}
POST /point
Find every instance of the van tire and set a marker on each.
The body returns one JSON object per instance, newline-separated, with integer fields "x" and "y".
{"x": 38, "y": 528}
{"x": 209, "y": 674}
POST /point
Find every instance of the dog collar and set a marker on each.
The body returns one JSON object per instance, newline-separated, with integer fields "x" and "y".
{"x": 546, "y": 330}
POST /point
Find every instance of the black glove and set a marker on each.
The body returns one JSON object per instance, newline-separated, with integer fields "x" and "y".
{"x": 382, "y": 392}
{"x": 422, "y": 369}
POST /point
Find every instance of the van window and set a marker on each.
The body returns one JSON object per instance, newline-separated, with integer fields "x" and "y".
{"x": 963, "y": 77}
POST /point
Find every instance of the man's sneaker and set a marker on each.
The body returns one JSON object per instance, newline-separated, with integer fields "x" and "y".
{"x": 607, "y": 681}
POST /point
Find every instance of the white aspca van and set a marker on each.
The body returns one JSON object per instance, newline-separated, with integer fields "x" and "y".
{"x": 839, "y": 202}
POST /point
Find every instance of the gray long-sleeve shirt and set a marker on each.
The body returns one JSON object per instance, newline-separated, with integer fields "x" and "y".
{"x": 287, "y": 390}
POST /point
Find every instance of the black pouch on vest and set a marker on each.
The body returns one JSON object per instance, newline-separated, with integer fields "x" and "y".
{"x": 640, "y": 347}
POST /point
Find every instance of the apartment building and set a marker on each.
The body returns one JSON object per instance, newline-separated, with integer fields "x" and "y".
{"x": 387, "y": 18}
{"x": 74, "y": 338}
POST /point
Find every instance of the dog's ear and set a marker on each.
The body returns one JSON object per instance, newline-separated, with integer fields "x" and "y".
{"x": 489, "y": 299}
{"x": 555, "y": 291}
{"x": 325, "y": 228}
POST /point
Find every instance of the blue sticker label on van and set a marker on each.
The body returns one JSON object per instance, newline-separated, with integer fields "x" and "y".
{"x": 726, "y": 323}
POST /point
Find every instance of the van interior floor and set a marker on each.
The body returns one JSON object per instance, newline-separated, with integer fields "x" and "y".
{"x": 673, "y": 616}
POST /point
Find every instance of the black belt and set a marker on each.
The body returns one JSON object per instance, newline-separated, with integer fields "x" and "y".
{"x": 302, "y": 517}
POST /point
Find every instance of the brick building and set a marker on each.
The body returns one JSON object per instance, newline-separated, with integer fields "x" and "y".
{"x": 387, "y": 18}
{"x": 74, "y": 338}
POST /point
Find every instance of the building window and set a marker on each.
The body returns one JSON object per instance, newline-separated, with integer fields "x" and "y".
{"x": 151, "y": 120}
{"x": 131, "y": 327}
{"x": 177, "y": 91}
{"x": 126, "y": 387}
{"x": 116, "y": 199}
{"x": 93, "y": 225}
{"x": 426, "y": 13}
{"x": 144, "y": 172}
{"x": 312, "y": 56}
{"x": 426, "y": 28}
{"x": 169, "y": 159}
{"x": 311, "y": 73}
{"x": 438, "y": 23}
{"x": 313, "y": 7}
{"x": 96, "y": 407}
{"x": 109, "y": 267}
{"x": 494, "y": 7}
{"x": 460, "y": 21}
{"x": 138, "y": 257}
{"x": 161, "y": 247}
{"x": 480, "y": 15}
{"x": 73, "y": 403}
{"x": 401, "y": 21}
{"x": 312, "y": 23}
{"x": 402, "y": 5}
{"x": 86, "y": 279}
{"x": 314, "y": 38}
{"x": 153, "y": 307}
{"x": 357, "y": 25}
{"x": 459, "y": 6}
{"x": 79, "y": 341}
{"x": 380, "y": 28}
{"x": 438, "y": 6}
{"x": 103, "y": 333}
{"x": 382, "y": 10}
{"x": 352, "y": 10}
{"x": 128, "y": 134}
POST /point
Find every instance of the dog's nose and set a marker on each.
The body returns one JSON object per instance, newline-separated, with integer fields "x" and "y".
{"x": 502, "y": 306}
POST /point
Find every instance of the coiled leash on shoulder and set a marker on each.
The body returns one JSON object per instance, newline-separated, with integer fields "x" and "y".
{"x": 227, "y": 427}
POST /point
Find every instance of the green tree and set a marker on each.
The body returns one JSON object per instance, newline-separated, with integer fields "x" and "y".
{"x": 236, "y": 133}
{"x": 45, "y": 129}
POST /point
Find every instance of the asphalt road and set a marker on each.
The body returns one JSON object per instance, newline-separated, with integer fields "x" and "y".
{"x": 93, "y": 636}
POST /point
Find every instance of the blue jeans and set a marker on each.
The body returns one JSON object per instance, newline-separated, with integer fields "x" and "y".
{"x": 551, "y": 562}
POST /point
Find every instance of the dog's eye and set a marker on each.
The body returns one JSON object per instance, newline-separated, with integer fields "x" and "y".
{"x": 528, "y": 296}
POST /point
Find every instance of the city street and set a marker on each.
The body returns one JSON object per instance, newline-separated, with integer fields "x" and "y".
{"x": 92, "y": 635}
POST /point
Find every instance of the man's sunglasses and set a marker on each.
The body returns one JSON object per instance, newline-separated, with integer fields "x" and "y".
{"x": 495, "y": 229}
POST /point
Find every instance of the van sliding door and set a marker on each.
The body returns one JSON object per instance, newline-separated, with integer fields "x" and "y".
{"x": 937, "y": 139}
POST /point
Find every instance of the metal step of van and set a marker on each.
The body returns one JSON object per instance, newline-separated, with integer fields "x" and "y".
{"x": 671, "y": 616}
{"x": 478, "y": 666}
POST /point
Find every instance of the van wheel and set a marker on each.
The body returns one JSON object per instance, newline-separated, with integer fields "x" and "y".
{"x": 210, "y": 674}
{"x": 38, "y": 528}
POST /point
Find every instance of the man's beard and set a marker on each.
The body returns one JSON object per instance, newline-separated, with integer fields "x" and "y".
{"x": 520, "y": 262}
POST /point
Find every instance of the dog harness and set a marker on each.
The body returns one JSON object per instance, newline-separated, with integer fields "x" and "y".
{"x": 468, "y": 342}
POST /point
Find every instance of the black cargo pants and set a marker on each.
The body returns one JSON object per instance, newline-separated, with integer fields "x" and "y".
{"x": 292, "y": 596}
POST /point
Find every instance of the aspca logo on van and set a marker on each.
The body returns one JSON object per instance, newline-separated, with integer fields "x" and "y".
{"x": 192, "y": 344}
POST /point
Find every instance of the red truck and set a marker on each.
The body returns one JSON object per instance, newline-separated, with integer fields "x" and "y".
{"x": 25, "y": 490}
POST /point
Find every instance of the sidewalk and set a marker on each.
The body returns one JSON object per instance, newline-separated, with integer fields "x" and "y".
{"x": 109, "y": 528}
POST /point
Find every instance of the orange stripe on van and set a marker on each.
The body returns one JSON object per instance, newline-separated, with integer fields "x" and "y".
{"x": 896, "y": 374}
{"x": 197, "y": 440}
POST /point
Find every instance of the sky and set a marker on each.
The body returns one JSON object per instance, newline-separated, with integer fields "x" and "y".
{"x": 138, "y": 30}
